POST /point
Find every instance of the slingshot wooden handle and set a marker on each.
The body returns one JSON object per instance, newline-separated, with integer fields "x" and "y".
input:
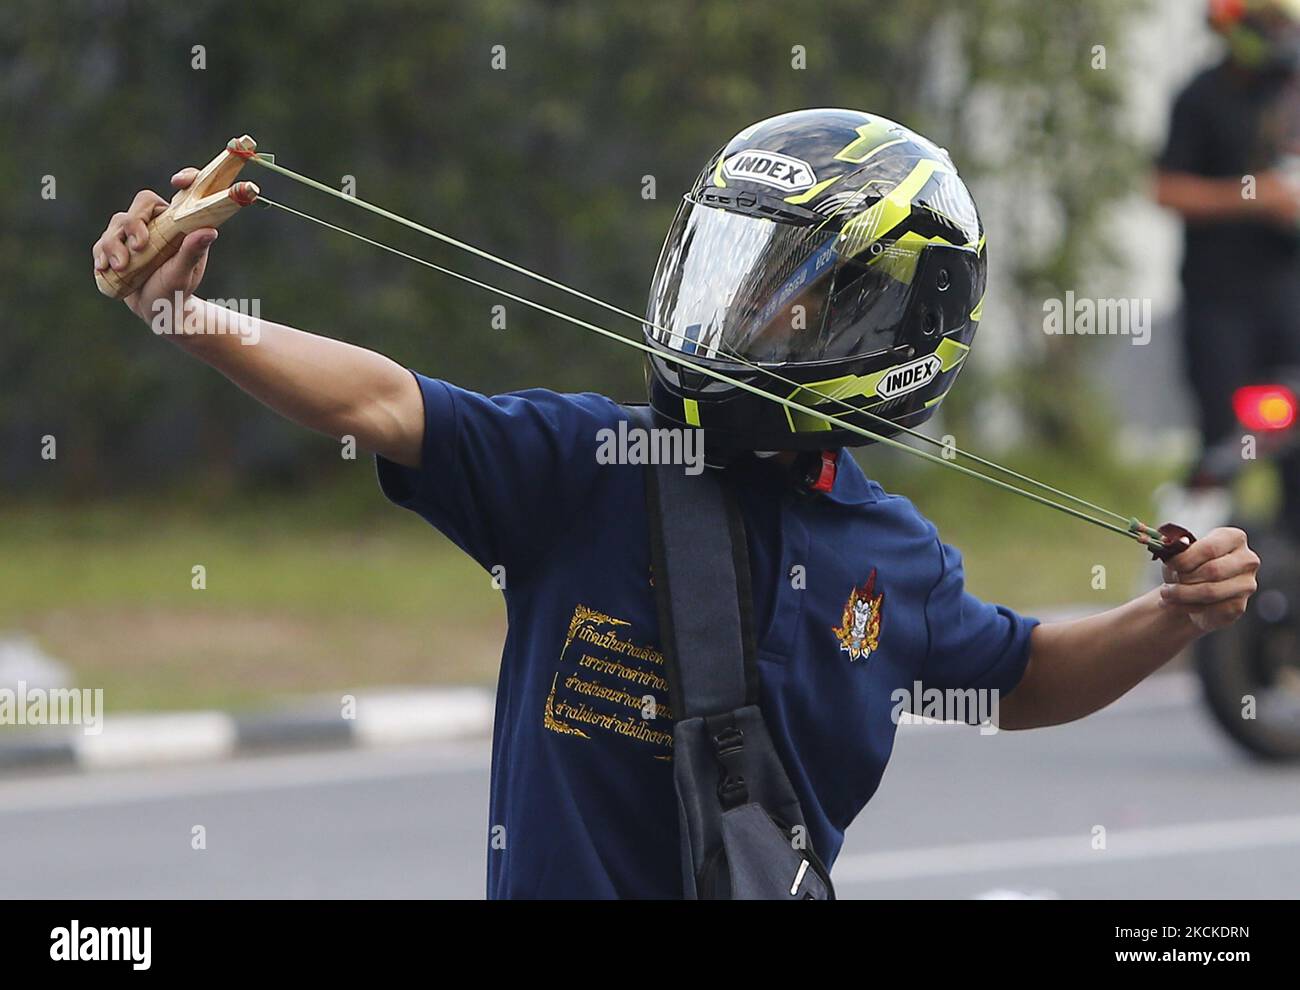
{"x": 208, "y": 201}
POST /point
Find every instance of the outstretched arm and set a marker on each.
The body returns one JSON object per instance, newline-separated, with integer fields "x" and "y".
{"x": 326, "y": 385}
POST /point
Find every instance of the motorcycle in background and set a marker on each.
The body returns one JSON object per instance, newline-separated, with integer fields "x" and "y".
{"x": 1250, "y": 671}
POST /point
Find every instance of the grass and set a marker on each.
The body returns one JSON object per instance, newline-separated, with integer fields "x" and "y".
{"x": 294, "y": 601}
{"x": 335, "y": 592}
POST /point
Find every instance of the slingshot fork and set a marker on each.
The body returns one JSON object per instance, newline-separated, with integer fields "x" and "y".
{"x": 211, "y": 199}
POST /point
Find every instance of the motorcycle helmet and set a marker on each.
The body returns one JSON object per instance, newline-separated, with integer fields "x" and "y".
{"x": 1262, "y": 35}
{"x": 829, "y": 257}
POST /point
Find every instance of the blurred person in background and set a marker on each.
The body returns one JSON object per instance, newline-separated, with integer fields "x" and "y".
{"x": 1231, "y": 169}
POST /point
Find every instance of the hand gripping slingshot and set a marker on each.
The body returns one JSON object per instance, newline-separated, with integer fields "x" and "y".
{"x": 209, "y": 201}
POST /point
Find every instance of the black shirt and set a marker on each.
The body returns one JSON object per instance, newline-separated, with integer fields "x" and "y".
{"x": 1229, "y": 124}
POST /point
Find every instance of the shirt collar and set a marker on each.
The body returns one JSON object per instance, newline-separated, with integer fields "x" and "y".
{"x": 851, "y": 487}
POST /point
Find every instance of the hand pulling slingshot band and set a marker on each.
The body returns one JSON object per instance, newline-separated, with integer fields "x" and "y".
{"x": 1174, "y": 539}
{"x": 211, "y": 199}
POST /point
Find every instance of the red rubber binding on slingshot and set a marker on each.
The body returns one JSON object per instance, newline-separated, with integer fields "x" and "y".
{"x": 245, "y": 193}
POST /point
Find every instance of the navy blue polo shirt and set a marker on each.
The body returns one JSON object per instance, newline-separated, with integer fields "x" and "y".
{"x": 582, "y": 793}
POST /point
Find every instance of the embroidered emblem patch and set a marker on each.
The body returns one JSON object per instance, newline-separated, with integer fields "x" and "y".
{"x": 859, "y": 632}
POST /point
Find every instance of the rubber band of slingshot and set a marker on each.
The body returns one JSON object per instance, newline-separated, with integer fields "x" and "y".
{"x": 1135, "y": 530}
{"x": 245, "y": 193}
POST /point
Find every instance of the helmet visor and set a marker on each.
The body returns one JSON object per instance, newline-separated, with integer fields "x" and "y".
{"x": 735, "y": 286}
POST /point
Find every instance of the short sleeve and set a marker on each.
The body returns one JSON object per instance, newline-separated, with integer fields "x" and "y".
{"x": 1185, "y": 147}
{"x": 501, "y": 476}
{"x": 972, "y": 644}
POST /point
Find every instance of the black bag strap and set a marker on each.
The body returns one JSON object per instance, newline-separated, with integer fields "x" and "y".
{"x": 703, "y": 630}
{"x": 736, "y": 807}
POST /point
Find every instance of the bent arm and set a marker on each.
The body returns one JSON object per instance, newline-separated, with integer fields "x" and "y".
{"x": 1078, "y": 667}
{"x": 1196, "y": 197}
{"x": 327, "y": 385}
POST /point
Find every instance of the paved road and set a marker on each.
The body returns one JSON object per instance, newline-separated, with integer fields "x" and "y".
{"x": 959, "y": 815}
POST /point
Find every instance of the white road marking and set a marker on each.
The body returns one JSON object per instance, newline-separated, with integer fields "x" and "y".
{"x": 1069, "y": 850}
{"x": 1008, "y": 894}
{"x": 266, "y": 773}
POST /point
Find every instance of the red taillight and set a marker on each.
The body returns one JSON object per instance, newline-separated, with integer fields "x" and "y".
{"x": 1224, "y": 13}
{"x": 1264, "y": 407}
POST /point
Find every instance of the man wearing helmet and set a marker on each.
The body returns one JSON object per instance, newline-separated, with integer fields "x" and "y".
{"x": 827, "y": 254}
{"x": 860, "y": 282}
{"x": 1231, "y": 168}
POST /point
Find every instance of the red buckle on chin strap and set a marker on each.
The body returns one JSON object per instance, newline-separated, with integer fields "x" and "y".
{"x": 826, "y": 479}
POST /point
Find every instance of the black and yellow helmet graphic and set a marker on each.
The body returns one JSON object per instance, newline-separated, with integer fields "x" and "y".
{"x": 827, "y": 256}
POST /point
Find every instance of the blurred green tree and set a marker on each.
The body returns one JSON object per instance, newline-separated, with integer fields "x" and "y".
{"x": 543, "y": 161}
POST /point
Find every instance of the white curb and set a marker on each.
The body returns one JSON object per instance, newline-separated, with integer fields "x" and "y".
{"x": 408, "y": 716}
{"x": 385, "y": 718}
{"x": 132, "y": 740}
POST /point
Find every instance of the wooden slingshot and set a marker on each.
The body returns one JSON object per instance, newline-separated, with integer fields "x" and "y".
{"x": 208, "y": 201}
